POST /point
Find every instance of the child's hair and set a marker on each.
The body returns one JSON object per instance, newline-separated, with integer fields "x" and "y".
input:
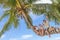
{"x": 44, "y": 20}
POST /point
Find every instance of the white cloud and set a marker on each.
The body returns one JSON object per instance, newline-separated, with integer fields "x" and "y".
{"x": 57, "y": 38}
{"x": 13, "y": 39}
{"x": 23, "y": 37}
{"x": 43, "y": 2}
{"x": 2, "y": 36}
{"x": 26, "y": 36}
{"x": 54, "y": 38}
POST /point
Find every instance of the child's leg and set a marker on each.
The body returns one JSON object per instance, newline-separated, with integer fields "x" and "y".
{"x": 48, "y": 33}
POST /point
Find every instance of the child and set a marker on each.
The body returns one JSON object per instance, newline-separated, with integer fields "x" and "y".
{"x": 46, "y": 26}
{"x": 36, "y": 30}
{"x": 41, "y": 30}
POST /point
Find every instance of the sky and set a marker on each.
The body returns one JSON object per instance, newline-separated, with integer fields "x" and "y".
{"x": 22, "y": 33}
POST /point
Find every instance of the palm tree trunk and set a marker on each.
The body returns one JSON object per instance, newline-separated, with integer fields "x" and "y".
{"x": 25, "y": 17}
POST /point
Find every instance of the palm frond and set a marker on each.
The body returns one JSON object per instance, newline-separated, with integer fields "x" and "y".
{"x": 5, "y": 27}
{"x": 40, "y": 8}
{"x": 12, "y": 19}
{"x": 15, "y": 20}
{"x": 8, "y": 3}
{"x": 16, "y": 23}
{"x": 31, "y": 1}
{"x": 4, "y": 15}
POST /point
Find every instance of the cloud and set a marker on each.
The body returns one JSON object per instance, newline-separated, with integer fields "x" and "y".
{"x": 54, "y": 38}
{"x": 26, "y": 36}
{"x": 23, "y": 37}
{"x": 13, "y": 39}
{"x": 43, "y": 2}
{"x": 2, "y": 36}
{"x": 57, "y": 38}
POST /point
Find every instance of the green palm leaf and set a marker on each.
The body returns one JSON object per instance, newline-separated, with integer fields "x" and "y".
{"x": 6, "y": 27}
{"x": 4, "y": 15}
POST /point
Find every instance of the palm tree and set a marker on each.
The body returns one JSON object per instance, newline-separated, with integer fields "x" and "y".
{"x": 23, "y": 7}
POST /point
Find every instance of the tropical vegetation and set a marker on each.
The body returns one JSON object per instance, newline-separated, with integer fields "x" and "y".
{"x": 21, "y": 9}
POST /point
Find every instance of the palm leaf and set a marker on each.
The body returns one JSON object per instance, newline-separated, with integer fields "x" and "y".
{"x": 6, "y": 27}
{"x": 16, "y": 23}
{"x": 15, "y": 20}
{"x": 8, "y": 3}
{"x": 12, "y": 19}
{"x": 4, "y": 15}
{"x": 31, "y": 1}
